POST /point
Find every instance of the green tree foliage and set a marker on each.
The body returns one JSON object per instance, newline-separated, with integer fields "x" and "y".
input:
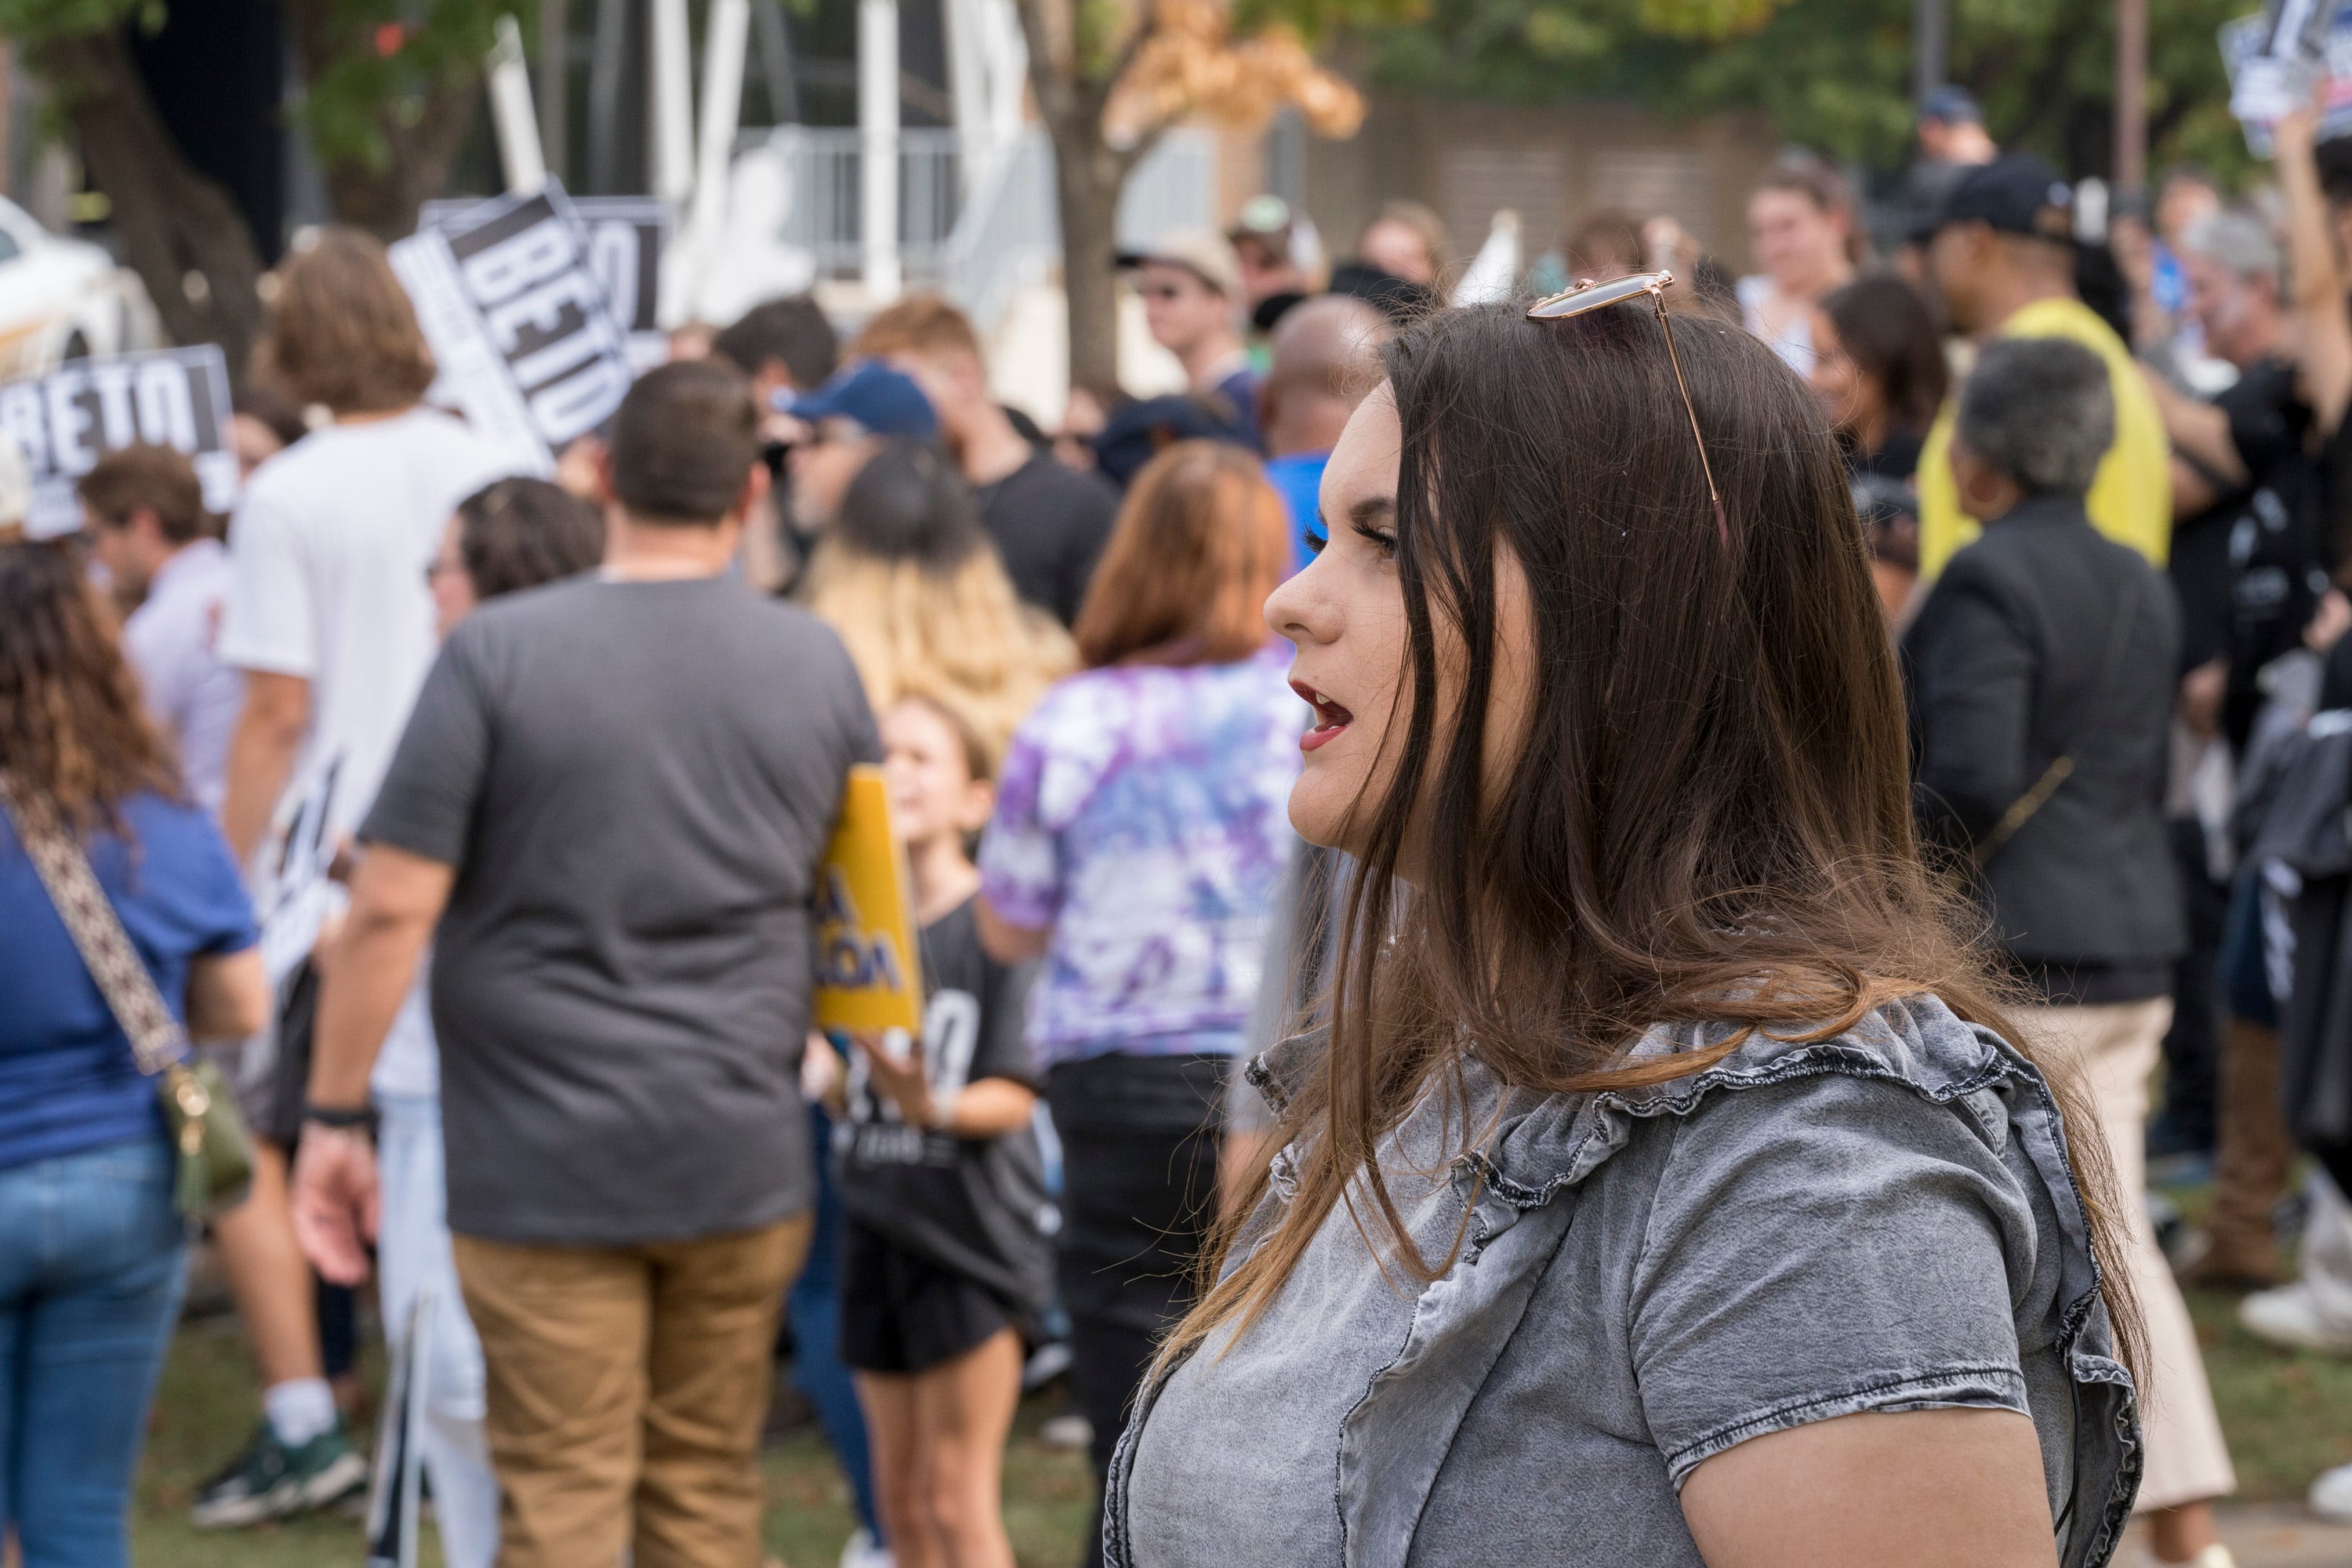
{"x": 1834, "y": 74}
{"x": 388, "y": 90}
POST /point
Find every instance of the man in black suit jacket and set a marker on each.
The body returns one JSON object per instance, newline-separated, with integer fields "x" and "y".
{"x": 2041, "y": 675}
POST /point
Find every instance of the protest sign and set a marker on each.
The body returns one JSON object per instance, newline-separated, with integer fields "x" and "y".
{"x": 2276, "y": 56}
{"x": 866, "y": 977}
{"x": 625, "y": 237}
{"x": 85, "y": 409}
{"x": 527, "y": 341}
{"x": 397, "y": 1485}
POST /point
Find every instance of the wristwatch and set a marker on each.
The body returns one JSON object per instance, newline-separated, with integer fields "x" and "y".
{"x": 359, "y": 1119}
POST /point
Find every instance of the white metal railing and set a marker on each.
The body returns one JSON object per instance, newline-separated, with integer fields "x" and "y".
{"x": 980, "y": 250}
{"x": 825, "y": 214}
{"x": 1008, "y": 236}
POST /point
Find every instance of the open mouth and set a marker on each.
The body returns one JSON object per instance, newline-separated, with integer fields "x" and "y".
{"x": 1329, "y": 718}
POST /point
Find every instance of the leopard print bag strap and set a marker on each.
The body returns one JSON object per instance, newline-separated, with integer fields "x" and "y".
{"x": 156, "y": 1038}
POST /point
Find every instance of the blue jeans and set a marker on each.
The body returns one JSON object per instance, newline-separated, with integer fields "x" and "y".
{"x": 92, "y": 1259}
{"x": 813, "y": 1309}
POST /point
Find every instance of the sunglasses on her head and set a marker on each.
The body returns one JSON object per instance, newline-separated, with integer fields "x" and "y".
{"x": 1588, "y": 297}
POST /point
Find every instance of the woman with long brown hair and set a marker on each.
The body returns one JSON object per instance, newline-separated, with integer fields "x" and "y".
{"x": 1666, "y": 1186}
{"x": 91, "y": 1252}
{"x": 1136, "y": 846}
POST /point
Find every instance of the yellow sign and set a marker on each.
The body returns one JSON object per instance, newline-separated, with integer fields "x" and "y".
{"x": 867, "y": 975}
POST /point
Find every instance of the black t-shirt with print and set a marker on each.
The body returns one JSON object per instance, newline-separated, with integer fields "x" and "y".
{"x": 2280, "y": 549}
{"x": 977, "y": 1206}
{"x": 2250, "y": 569}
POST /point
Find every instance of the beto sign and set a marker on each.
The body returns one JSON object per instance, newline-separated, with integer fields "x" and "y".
{"x": 82, "y": 410}
{"x": 624, "y": 236}
{"x": 528, "y": 343}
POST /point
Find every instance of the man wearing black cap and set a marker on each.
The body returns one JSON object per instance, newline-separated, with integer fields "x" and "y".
{"x": 1952, "y": 140}
{"x": 2002, "y": 251}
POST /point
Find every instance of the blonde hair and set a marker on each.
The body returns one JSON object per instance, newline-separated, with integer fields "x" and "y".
{"x": 960, "y": 637}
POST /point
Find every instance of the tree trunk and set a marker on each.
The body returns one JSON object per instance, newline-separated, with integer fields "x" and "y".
{"x": 1086, "y": 180}
{"x": 382, "y": 195}
{"x": 181, "y": 232}
{"x": 385, "y": 200}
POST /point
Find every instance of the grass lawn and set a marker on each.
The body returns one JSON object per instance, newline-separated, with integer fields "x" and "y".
{"x": 2287, "y": 1417}
{"x": 206, "y": 1405}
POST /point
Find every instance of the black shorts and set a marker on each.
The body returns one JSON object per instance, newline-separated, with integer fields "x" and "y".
{"x": 901, "y": 1314}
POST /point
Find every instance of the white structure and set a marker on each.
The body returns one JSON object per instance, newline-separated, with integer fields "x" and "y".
{"x": 1494, "y": 271}
{"x": 877, "y": 140}
{"x": 862, "y": 212}
{"x": 510, "y": 117}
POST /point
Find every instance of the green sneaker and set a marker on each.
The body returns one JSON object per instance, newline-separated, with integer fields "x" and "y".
{"x": 271, "y": 1480}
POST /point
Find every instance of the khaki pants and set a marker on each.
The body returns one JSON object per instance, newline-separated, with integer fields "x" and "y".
{"x": 626, "y": 1385}
{"x": 2114, "y": 1048}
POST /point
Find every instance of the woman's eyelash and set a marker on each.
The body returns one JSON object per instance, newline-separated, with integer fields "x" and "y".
{"x": 1317, "y": 539}
{"x": 1382, "y": 539}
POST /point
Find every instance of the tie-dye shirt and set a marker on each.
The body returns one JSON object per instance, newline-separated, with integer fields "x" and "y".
{"x": 1143, "y": 813}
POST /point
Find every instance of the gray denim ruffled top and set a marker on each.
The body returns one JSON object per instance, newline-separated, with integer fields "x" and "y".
{"x": 1881, "y": 1221}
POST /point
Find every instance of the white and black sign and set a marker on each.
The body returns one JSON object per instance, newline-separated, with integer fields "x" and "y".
{"x": 526, "y": 337}
{"x": 75, "y": 415}
{"x": 397, "y": 1485}
{"x": 624, "y": 237}
{"x": 2275, "y": 58}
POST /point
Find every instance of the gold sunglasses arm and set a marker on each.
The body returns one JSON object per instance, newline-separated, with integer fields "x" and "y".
{"x": 1665, "y": 322}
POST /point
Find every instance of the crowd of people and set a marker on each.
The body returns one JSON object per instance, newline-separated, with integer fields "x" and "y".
{"x": 1791, "y": 852}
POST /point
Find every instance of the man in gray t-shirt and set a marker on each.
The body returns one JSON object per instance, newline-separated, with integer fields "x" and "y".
{"x": 612, "y": 797}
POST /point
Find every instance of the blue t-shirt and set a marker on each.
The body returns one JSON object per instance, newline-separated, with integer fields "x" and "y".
{"x": 1298, "y": 479}
{"x": 68, "y": 1079}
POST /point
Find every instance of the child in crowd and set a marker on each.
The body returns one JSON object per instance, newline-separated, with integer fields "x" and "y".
{"x": 946, "y": 1252}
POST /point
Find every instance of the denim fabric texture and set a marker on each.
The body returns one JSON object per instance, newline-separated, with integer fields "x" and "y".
{"x": 813, "y": 1308}
{"x": 92, "y": 1259}
{"x": 1879, "y": 1221}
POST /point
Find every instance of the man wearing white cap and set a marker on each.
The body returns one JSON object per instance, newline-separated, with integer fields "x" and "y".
{"x": 1190, "y": 282}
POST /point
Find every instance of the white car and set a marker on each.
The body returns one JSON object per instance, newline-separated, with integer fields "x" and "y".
{"x": 63, "y": 298}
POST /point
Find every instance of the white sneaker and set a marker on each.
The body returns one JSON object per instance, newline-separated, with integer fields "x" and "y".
{"x": 2331, "y": 1494}
{"x": 2289, "y": 1318}
{"x": 1071, "y": 1431}
{"x": 864, "y": 1552}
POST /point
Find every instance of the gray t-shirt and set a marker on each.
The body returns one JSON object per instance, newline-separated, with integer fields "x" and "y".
{"x": 1881, "y": 1221}
{"x": 636, "y": 782}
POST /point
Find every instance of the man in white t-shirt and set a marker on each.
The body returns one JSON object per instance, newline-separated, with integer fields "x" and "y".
{"x": 331, "y": 621}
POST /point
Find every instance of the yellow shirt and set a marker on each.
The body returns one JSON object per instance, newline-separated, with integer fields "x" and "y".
{"x": 2131, "y": 498}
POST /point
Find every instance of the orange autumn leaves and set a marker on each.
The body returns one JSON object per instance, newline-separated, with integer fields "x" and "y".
{"x": 1191, "y": 64}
